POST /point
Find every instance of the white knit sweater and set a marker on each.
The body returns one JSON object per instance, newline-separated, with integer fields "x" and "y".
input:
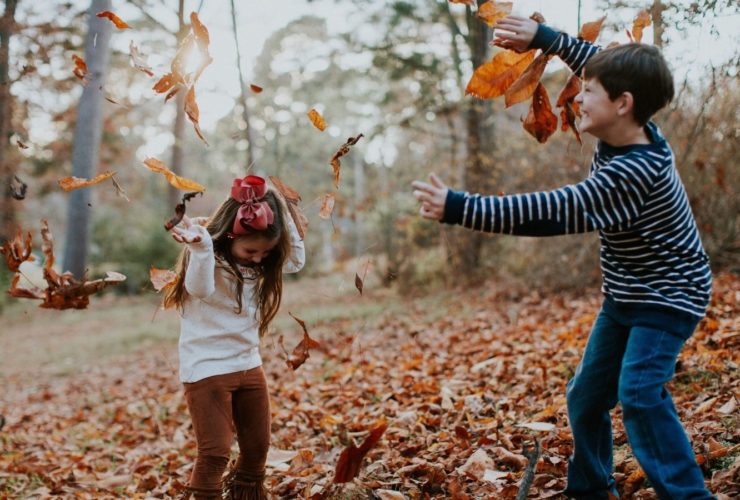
{"x": 214, "y": 339}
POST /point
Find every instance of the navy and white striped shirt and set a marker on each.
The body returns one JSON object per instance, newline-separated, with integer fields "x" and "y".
{"x": 651, "y": 254}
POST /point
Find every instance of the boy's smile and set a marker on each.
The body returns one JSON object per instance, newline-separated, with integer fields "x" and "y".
{"x": 598, "y": 111}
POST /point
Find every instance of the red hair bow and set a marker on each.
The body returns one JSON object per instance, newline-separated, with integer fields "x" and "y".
{"x": 254, "y": 214}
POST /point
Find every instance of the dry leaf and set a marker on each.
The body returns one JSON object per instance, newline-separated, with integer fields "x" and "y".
{"x": 80, "y": 70}
{"x": 541, "y": 122}
{"x": 358, "y": 283}
{"x": 24, "y": 293}
{"x": 255, "y": 88}
{"x": 180, "y": 210}
{"x": 300, "y": 352}
{"x": 164, "y": 84}
{"x": 566, "y": 100}
{"x": 119, "y": 190}
{"x": 72, "y": 183}
{"x": 21, "y": 144}
{"x": 492, "y": 12}
{"x": 137, "y": 60}
{"x": 162, "y": 278}
{"x": 17, "y": 188}
{"x": 175, "y": 180}
{"x": 17, "y": 251}
{"x": 120, "y": 24}
{"x": 317, "y": 120}
{"x": 493, "y": 78}
{"x": 327, "y": 206}
{"x": 292, "y": 198}
{"x": 350, "y": 460}
{"x": 465, "y": 2}
{"x": 590, "y": 31}
{"x": 343, "y": 150}
{"x": 191, "y": 109}
{"x": 523, "y": 88}
{"x": 641, "y": 22}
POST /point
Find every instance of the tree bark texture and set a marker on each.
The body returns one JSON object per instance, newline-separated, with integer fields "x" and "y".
{"x": 7, "y": 203}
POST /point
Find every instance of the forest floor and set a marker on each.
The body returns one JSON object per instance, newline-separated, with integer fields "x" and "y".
{"x": 466, "y": 382}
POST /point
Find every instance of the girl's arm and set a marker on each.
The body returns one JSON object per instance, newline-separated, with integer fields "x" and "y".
{"x": 199, "y": 277}
{"x": 297, "y": 257}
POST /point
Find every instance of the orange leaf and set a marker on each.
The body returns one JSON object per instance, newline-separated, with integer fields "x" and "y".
{"x": 541, "y": 122}
{"x": 18, "y": 250}
{"x": 570, "y": 91}
{"x": 523, "y": 88}
{"x": 493, "y": 78}
{"x": 80, "y": 70}
{"x": 642, "y": 21}
{"x": 164, "y": 84}
{"x": 300, "y": 353}
{"x": 72, "y": 183}
{"x": 465, "y": 2}
{"x": 327, "y": 206}
{"x": 350, "y": 460}
{"x": 293, "y": 198}
{"x": 120, "y": 24}
{"x": 162, "y": 278}
{"x": 590, "y": 31}
{"x": 343, "y": 150}
{"x": 492, "y": 12}
{"x": 568, "y": 120}
{"x": 181, "y": 183}
{"x": 138, "y": 61}
{"x": 201, "y": 32}
{"x": 191, "y": 109}
{"x": 24, "y": 293}
{"x": 317, "y": 120}
{"x": 566, "y": 100}
{"x": 255, "y": 88}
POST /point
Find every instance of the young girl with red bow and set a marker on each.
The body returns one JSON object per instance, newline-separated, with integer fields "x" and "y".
{"x": 228, "y": 291}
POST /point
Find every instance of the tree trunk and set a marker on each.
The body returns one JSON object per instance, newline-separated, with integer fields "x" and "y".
{"x": 7, "y": 203}
{"x": 656, "y": 14}
{"x": 178, "y": 157}
{"x": 243, "y": 93}
{"x": 88, "y": 133}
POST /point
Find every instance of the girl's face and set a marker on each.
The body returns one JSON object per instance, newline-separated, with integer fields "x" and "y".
{"x": 251, "y": 250}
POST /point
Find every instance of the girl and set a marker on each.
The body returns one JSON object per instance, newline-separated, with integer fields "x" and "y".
{"x": 228, "y": 290}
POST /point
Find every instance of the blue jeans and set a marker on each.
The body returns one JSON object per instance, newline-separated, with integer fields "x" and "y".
{"x": 629, "y": 363}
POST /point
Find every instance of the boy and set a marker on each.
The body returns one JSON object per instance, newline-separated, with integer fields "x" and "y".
{"x": 656, "y": 276}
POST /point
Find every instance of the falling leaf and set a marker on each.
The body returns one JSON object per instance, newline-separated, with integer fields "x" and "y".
{"x": 191, "y": 109}
{"x": 162, "y": 278}
{"x": 566, "y": 101}
{"x": 343, "y": 150}
{"x": 175, "y": 180}
{"x": 327, "y": 206}
{"x": 570, "y": 91}
{"x": 358, "y": 283}
{"x": 17, "y": 251}
{"x": 492, "y": 12}
{"x": 641, "y": 22}
{"x": 590, "y": 31}
{"x": 138, "y": 61}
{"x": 20, "y": 144}
{"x": 523, "y": 88}
{"x": 465, "y": 2}
{"x": 180, "y": 210}
{"x": 255, "y": 88}
{"x": 541, "y": 122}
{"x": 120, "y": 24}
{"x": 300, "y": 353}
{"x": 119, "y": 190}
{"x": 317, "y": 120}
{"x": 17, "y": 188}
{"x": 80, "y": 70}
{"x": 293, "y": 199}
{"x": 202, "y": 38}
{"x": 164, "y": 84}
{"x": 350, "y": 460}
{"x": 72, "y": 183}
{"x": 24, "y": 293}
{"x": 493, "y": 78}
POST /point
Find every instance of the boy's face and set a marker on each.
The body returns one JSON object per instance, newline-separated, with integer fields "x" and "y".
{"x": 598, "y": 111}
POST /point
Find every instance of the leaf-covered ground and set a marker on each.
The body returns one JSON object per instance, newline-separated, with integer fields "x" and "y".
{"x": 454, "y": 377}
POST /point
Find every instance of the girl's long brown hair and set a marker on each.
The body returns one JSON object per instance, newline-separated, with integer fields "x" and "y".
{"x": 269, "y": 288}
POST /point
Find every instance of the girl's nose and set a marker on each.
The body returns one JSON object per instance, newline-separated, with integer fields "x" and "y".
{"x": 256, "y": 259}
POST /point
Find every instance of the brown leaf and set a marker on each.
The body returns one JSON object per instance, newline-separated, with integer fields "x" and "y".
{"x": 180, "y": 210}
{"x": 138, "y": 62}
{"x": 21, "y": 144}
{"x": 162, "y": 278}
{"x": 465, "y": 2}
{"x": 80, "y": 70}
{"x": 119, "y": 190}
{"x": 492, "y": 12}
{"x": 191, "y": 109}
{"x": 18, "y": 250}
{"x": 566, "y": 100}
{"x": 72, "y": 183}
{"x": 202, "y": 38}
{"x": 358, "y": 283}
{"x": 590, "y": 31}
{"x": 541, "y": 122}
{"x": 317, "y": 120}
{"x": 523, "y": 88}
{"x": 120, "y": 24}
{"x": 350, "y": 460}
{"x": 641, "y": 22}
{"x": 17, "y": 188}
{"x": 24, "y": 293}
{"x": 568, "y": 120}
{"x": 164, "y": 84}
{"x": 300, "y": 352}
{"x": 327, "y": 206}
{"x": 255, "y": 88}
{"x": 292, "y": 198}
{"x": 494, "y": 77}
{"x": 343, "y": 150}
{"x": 570, "y": 91}
{"x": 175, "y": 180}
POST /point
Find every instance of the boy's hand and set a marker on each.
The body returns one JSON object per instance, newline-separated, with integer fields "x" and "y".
{"x": 432, "y": 197}
{"x": 188, "y": 233}
{"x": 515, "y": 33}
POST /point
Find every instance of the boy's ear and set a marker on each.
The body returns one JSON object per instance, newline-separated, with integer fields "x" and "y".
{"x": 625, "y": 103}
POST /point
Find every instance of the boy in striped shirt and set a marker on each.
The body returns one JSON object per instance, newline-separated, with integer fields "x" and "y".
{"x": 656, "y": 276}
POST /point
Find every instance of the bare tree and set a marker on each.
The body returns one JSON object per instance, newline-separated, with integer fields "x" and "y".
{"x": 88, "y": 133}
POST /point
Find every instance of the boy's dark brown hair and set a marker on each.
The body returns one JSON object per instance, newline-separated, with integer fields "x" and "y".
{"x": 635, "y": 68}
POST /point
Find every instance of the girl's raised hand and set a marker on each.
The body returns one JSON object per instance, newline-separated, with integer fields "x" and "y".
{"x": 188, "y": 233}
{"x": 515, "y": 33}
{"x": 432, "y": 197}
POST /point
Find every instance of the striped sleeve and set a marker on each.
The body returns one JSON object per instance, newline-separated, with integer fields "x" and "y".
{"x": 614, "y": 195}
{"x": 573, "y": 51}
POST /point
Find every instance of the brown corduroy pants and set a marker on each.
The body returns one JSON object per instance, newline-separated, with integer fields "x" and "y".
{"x": 220, "y": 406}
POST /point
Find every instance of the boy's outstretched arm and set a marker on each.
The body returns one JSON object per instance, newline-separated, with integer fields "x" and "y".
{"x": 432, "y": 197}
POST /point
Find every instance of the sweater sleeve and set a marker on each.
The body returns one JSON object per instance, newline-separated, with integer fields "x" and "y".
{"x": 297, "y": 257}
{"x": 573, "y": 51}
{"x": 615, "y": 194}
{"x": 199, "y": 276}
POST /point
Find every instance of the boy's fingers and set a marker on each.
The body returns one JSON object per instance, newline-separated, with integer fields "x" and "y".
{"x": 436, "y": 181}
{"x": 423, "y": 186}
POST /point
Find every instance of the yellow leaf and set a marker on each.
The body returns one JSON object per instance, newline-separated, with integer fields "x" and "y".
{"x": 72, "y": 183}
{"x": 178, "y": 182}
